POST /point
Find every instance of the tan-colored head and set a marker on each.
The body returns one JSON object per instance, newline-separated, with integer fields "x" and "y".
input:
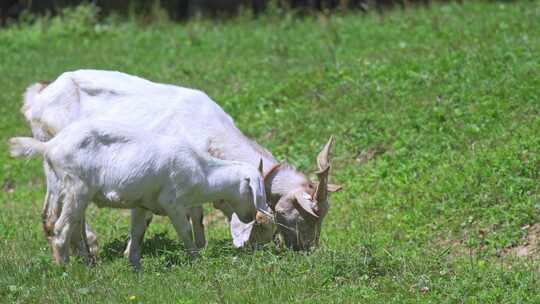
{"x": 299, "y": 212}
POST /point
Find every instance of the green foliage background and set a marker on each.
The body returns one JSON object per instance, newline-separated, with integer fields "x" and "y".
{"x": 436, "y": 115}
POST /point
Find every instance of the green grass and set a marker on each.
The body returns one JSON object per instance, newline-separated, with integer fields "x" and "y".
{"x": 445, "y": 99}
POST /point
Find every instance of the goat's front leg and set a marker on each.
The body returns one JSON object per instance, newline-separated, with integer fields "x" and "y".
{"x": 70, "y": 218}
{"x": 196, "y": 215}
{"x": 178, "y": 216}
{"x": 140, "y": 219}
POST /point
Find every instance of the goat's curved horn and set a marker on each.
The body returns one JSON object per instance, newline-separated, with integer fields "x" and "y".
{"x": 330, "y": 187}
{"x": 334, "y": 188}
{"x": 322, "y": 158}
{"x": 321, "y": 193}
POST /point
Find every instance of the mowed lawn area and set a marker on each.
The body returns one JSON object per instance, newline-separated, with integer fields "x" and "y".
{"x": 436, "y": 113}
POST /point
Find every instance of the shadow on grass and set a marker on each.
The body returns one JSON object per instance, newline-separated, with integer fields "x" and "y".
{"x": 153, "y": 246}
{"x": 171, "y": 251}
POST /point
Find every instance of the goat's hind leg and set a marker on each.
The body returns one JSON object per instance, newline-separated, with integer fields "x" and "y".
{"x": 48, "y": 217}
{"x": 70, "y": 221}
{"x": 51, "y": 204}
{"x": 84, "y": 242}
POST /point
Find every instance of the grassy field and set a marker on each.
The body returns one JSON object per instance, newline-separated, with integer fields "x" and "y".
{"x": 436, "y": 113}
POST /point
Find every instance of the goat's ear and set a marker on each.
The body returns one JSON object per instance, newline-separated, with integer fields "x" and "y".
{"x": 240, "y": 231}
{"x": 252, "y": 189}
{"x": 333, "y": 188}
{"x": 303, "y": 202}
{"x": 258, "y": 193}
{"x": 330, "y": 187}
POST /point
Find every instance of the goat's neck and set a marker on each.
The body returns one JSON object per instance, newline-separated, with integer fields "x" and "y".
{"x": 231, "y": 144}
{"x": 222, "y": 180}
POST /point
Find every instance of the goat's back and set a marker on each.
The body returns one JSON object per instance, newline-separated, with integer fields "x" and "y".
{"x": 161, "y": 108}
{"x": 110, "y": 156}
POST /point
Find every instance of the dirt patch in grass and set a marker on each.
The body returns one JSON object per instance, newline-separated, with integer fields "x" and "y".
{"x": 8, "y": 185}
{"x": 214, "y": 218}
{"x": 528, "y": 246}
{"x": 454, "y": 247}
{"x": 365, "y": 156}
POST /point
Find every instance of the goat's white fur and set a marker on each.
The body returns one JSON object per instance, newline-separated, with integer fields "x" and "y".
{"x": 117, "y": 166}
{"x": 160, "y": 108}
{"x": 164, "y": 109}
{"x": 26, "y": 147}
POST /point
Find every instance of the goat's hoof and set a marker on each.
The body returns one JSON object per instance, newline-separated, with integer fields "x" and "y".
{"x": 201, "y": 246}
{"x": 135, "y": 259}
{"x": 128, "y": 249}
{"x": 90, "y": 261}
{"x": 93, "y": 247}
{"x": 193, "y": 254}
{"x": 136, "y": 266}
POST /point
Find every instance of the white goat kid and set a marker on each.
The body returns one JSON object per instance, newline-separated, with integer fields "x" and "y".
{"x": 116, "y": 166}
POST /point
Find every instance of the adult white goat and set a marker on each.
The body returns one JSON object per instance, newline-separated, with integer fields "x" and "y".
{"x": 120, "y": 167}
{"x": 300, "y": 204}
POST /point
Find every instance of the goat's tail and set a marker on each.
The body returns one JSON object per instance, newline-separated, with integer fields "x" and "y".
{"x": 25, "y": 147}
{"x": 31, "y": 92}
